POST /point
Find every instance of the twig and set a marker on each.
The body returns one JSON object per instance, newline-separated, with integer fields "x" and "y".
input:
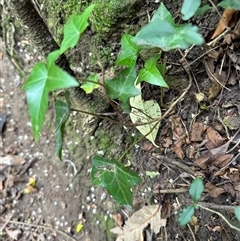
{"x": 175, "y": 163}
{"x": 177, "y": 190}
{"x": 43, "y": 227}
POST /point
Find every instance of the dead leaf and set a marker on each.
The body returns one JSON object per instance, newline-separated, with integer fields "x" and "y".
{"x": 13, "y": 234}
{"x": 213, "y": 190}
{"x": 223, "y": 160}
{"x": 190, "y": 152}
{"x": 196, "y": 131}
{"x": 230, "y": 189}
{"x": 232, "y": 122}
{"x": 177, "y": 149}
{"x": 223, "y": 22}
{"x": 210, "y": 156}
{"x": 214, "y": 138}
{"x": 134, "y": 226}
{"x": 12, "y": 160}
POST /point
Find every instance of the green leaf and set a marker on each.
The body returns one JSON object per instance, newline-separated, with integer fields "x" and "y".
{"x": 89, "y": 86}
{"x": 37, "y": 96}
{"x": 74, "y": 27}
{"x": 232, "y": 4}
{"x": 202, "y": 10}
{"x": 117, "y": 179}
{"x": 189, "y": 8}
{"x": 129, "y": 54}
{"x": 186, "y": 215}
{"x": 62, "y": 114}
{"x": 151, "y": 74}
{"x": 237, "y": 212}
{"x": 122, "y": 87}
{"x": 37, "y": 87}
{"x": 163, "y": 35}
{"x": 163, "y": 14}
{"x": 145, "y": 111}
{"x": 52, "y": 57}
{"x": 152, "y": 174}
{"x": 59, "y": 79}
{"x": 196, "y": 189}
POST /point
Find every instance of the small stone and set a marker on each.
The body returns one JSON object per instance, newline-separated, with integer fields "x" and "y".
{"x": 63, "y": 205}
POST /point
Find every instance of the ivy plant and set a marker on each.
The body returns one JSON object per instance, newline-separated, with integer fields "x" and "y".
{"x": 161, "y": 32}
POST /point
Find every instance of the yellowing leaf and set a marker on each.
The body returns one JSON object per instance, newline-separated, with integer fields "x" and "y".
{"x": 145, "y": 111}
{"x": 134, "y": 226}
{"x": 32, "y": 181}
{"x": 79, "y": 228}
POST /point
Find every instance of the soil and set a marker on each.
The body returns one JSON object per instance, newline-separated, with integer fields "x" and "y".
{"x": 64, "y": 197}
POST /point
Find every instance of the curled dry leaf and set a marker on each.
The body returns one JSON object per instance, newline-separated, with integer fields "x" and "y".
{"x": 177, "y": 149}
{"x": 134, "y": 226}
{"x": 223, "y": 22}
{"x": 213, "y": 190}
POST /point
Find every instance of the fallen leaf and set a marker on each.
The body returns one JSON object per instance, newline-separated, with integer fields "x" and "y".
{"x": 223, "y": 160}
{"x": 197, "y": 130}
{"x": 13, "y": 234}
{"x": 213, "y": 190}
{"x": 210, "y": 156}
{"x": 12, "y": 160}
{"x": 232, "y": 122}
{"x": 214, "y": 138}
{"x": 177, "y": 149}
{"x": 223, "y": 22}
{"x": 134, "y": 226}
{"x": 145, "y": 111}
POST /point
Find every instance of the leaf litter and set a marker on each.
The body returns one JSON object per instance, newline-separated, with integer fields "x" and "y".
{"x": 134, "y": 226}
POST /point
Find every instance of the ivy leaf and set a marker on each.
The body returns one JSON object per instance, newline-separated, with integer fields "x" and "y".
{"x": 163, "y": 35}
{"x": 122, "y": 87}
{"x": 74, "y": 27}
{"x": 62, "y": 114}
{"x": 189, "y": 8}
{"x": 89, "y": 86}
{"x": 52, "y": 57}
{"x": 37, "y": 96}
{"x": 163, "y": 14}
{"x": 196, "y": 189}
{"x": 202, "y": 10}
{"x": 186, "y": 215}
{"x": 129, "y": 54}
{"x": 145, "y": 111}
{"x": 231, "y": 4}
{"x": 237, "y": 212}
{"x": 151, "y": 74}
{"x": 37, "y": 87}
{"x": 115, "y": 178}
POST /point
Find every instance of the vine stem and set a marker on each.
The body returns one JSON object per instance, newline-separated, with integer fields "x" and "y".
{"x": 222, "y": 216}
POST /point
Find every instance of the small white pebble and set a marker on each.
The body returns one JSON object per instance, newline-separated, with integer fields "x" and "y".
{"x": 55, "y": 203}
{"x": 94, "y": 211}
{"x": 97, "y": 222}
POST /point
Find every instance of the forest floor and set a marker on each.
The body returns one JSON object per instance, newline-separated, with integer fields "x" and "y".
{"x": 191, "y": 143}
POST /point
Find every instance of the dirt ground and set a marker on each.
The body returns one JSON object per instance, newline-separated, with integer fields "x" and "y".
{"x": 64, "y": 197}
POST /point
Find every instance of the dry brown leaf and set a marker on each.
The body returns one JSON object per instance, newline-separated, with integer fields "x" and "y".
{"x": 134, "y": 226}
{"x": 223, "y": 22}
{"x": 12, "y": 160}
{"x": 223, "y": 160}
{"x": 214, "y": 138}
{"x": 197, "y": 130}
{"x": 213, "y": 190}
{"x": 177, "y": 149}
{"x": 210, "y": 156}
